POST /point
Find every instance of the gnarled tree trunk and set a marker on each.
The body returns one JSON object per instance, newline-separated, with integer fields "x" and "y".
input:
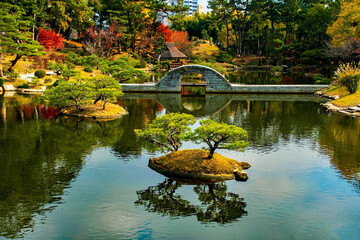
{"x": 13, "y": 62}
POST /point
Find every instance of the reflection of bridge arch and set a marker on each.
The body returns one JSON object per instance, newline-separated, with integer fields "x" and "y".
{"x": 214, "y": 102}
{"x": 172, "y": 80}
{"x": 211, "y": 104}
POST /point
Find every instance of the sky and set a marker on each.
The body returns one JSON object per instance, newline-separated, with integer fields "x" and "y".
{"x": 204, "y": 3}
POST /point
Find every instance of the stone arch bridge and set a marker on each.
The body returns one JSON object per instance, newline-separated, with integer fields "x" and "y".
{"x": 215, "y": 83}
{"x": 214, "y": 80}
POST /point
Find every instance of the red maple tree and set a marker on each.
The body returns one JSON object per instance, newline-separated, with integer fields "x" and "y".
{"x": 103, "y": 42}
{"x": 50, "y": 40}
{"x": 166, "y": 32}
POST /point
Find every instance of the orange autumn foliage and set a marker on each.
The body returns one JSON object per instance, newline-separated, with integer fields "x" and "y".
{"x": 181, "y": 40}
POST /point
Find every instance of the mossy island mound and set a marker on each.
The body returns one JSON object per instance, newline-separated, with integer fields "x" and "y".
{"x": 194, "y": 164}
{"x": 96, "y": 111}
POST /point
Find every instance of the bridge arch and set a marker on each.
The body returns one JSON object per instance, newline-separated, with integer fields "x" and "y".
{"x": 214, "y": 80}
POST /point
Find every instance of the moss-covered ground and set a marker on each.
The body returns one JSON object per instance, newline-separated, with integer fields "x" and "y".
{"x": 195, "y": 161}
{"x": 96, "y": 111}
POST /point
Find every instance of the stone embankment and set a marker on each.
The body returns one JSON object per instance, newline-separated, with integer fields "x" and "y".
{"x": 350, "y": 111}
{"x": 10, "y": 88}
{"x": 353, "y": 111}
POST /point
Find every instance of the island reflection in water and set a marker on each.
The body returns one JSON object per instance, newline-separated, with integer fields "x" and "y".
{"x": 217, "y": 205}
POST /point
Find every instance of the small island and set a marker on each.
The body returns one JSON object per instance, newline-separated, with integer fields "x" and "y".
{"x": 87, "y": 98}
{"x": 95, "y": 111}
{"x": 167, "y": 132}
{"x": 195, "y": 164}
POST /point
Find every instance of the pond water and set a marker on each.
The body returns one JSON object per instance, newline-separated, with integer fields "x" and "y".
{"x": 73, "y": 179}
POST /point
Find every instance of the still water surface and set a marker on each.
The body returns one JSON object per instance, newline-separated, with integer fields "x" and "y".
{"x": 73, "y": 179}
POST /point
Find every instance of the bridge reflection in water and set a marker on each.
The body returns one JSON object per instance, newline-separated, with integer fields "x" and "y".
{"x": 213, "y": 103}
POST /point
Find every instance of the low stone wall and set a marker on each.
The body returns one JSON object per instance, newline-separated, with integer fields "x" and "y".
{"x": 238, "y": 88}
{"x": 8, "y": 87}
{"x": 235, "y": 88}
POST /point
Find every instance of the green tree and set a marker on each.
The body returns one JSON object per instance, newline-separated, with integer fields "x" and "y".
{"x": 131, "y": 15}
{"x": 65, "y": 70}
{"x": 179, "y": 12}
{"x": 129, "y": 74}
{"x": 71, "y": 93}
{"x": 347, "y": 25}
{"x": 69, "y": 72}
{"x": 68, "y": 15}
{"x": 107, "y": 89}
{"x": 58, "y": 68}
{"x": 219, "y": 136}
{"x": 222, "y": 11}
{"x": 15, "y": 38}
{"x": 168, "y": 131}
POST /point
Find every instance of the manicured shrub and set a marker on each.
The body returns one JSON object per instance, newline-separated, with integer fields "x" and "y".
{"x": 35, "y": 81}
{"x": 12, "y": 75}
{"x": 56, "y": 83}
{"x": 140, "y": 64}
{"x": 47, "y": 80}
{"x": 40, "y": 73}
{"x": 73, "y": 58}
{"x": 194, "y": 58}
{"x": 88, "y": 69}
{"x": 70, "y": 72}
{"x": 320, "y": 79}
{"x": 135, "y": 55}
{"x": 90, "y": 61}
{"x": 18, "y": 83}
{"x": 276, "y": 69}
{"x": 348, "y": 75}
{"x": 26, "y": 85}
{"x": 224, "y": 58}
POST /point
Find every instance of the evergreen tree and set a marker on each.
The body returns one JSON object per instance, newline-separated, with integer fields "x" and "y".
{"x": 15, "y": 38}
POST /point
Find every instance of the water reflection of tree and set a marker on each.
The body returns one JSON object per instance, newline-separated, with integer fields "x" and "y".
{"x": 217, "y": 205}
{"x": 270, "y": 123}
{"x": 341, "y": 141}
{"x": 40, "y": 158}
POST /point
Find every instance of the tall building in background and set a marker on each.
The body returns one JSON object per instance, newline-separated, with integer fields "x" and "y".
{"x": 200, "y": 9}
{"x": 193, "y": 5}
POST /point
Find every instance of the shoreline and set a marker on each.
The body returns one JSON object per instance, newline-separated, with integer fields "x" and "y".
{"x": 351, "y": 111}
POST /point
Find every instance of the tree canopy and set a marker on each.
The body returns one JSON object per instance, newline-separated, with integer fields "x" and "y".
{"x": 78, "y": 92}
{"x": 347, "y": 25}
{"x": 220, "y": 136}
{"x": 167, "y": 132}
{"x": 15, "y": 38}
{"x": 285, "y": 29}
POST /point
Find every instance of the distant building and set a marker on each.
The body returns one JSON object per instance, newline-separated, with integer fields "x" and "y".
{"x": 200, "y": 9}
{"x": 192, "y": 4}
